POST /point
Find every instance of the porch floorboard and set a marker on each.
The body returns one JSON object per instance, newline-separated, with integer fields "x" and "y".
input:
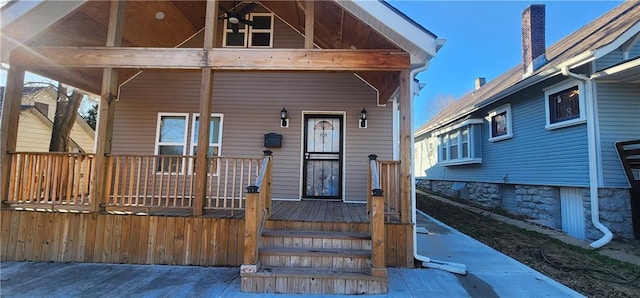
{"x": 318, "y": 211}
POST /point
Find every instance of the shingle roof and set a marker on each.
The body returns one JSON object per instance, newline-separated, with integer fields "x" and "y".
{"x": 595, "y": 35}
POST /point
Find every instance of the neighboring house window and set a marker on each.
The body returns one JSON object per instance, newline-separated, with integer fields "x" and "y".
{"x": 171, "y": 139}
{"x": 457, "y": 144}
{"x": 564, "y": 105}
{"x": 260, "y": 34}
{"x": 215, "y": 139}
{"x": 500, "y": 124}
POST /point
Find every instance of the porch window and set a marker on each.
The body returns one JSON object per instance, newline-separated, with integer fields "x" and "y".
{"x": 171, "y": 139}
{"x": 458, "y": 145}
{"x": 260, "y": 34}
{"x": 500, "y": 124}
{"x": 564, "y": 105}
{"x": 215, "y": 133}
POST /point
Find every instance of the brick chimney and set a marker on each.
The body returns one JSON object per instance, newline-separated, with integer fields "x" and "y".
{"x": 480, "y": 82}
{"x": 533, "y": 47}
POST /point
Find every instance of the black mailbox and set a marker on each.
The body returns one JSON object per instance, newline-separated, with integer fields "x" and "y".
{"x": 273, "y": 140}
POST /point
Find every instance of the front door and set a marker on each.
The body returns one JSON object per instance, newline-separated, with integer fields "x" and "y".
{"x": 322, "y": 165}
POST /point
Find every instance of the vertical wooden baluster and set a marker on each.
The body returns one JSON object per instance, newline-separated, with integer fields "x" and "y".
{"x": 116, "y": 182}
{"x": 218, "y": 180}
{"x": 147, "y": 173}
{"x": 12, "y": 178}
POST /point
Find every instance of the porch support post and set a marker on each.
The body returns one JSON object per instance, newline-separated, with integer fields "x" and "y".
{"x": 206, "y": 92}
{"x": 405, "y": 147}
{"x": 9, "y": 125}
{"x": 309, "y": 20}
{"x": 104, "y": 127}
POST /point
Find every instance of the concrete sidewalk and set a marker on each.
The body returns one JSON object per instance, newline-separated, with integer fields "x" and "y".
{"x": 491, "y": 274}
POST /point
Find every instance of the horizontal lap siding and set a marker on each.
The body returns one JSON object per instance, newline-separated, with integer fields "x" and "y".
{"x": 533, "y": 156}
{"x": 251, "y": 104}
{"x": 33, "y": 134}
{"x": 619, "y": 120}
{"x": 127, "y": 239}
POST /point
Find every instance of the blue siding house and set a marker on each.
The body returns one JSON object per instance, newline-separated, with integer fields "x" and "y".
{"x": 539, "y": 140}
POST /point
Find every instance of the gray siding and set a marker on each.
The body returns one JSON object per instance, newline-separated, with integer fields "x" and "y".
{"x": 616, "y": 56}
{"x": 619, "y": 120}
{"x": 609, "y": 59}
{"x": 533, "y": 156}
{"x": 251, "y": 104}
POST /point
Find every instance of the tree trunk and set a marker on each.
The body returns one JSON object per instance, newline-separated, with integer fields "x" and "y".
{"x": 65, "y": 117}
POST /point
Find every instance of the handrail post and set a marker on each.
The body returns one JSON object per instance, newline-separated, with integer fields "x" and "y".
{"x": 373, "y": 165}
{"x": 252, "y": 218}
{"x": 375, "y": 209}
{"x": 378, "y": 263}
{"x": 268, "y": 177}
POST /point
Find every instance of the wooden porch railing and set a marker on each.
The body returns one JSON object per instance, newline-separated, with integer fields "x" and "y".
{"x": 256, "y": 212}
{"x": 168, "y": 181}
{"x": 389, "y": 173}
{"x": 50, "y": 178}
{"x": 375, "y": 206}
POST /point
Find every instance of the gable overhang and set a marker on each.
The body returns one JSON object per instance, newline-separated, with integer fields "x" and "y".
{"x": 22, "y": 20}
{"x": 421, "y": 44}
{"x": 627, "y": 72}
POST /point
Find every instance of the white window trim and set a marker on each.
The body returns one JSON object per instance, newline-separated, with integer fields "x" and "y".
{"x": 252, "y": 30}
{"x": 183, "y": 144}
{"x": 581, "y": 101}
{"x": 458, "y": 161}
{"x": 505, "y": 108}
{"x": 194, "y": 143}
{"x": 248, "y": 31}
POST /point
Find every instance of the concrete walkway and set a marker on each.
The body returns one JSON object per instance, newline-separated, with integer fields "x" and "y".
{"x": 491, "y": 274}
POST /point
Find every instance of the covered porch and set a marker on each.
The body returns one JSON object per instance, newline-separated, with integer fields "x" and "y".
{"x": 131, "y": 203}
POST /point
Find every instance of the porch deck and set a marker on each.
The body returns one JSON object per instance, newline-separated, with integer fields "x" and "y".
{"x": 299, "y": 211}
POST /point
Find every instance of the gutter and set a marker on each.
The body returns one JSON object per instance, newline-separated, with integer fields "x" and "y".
{"x": 426, "y": 261}
{"x": 593, "y": 167}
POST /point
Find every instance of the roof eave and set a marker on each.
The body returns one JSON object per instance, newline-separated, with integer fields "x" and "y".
{"x": 31, "y": 17}
{"x": 421, "y": 44}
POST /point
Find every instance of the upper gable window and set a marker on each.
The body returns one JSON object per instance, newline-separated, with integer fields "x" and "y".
{"x": 564, "y": 105}
{"x": 500, "y": 124}
{"x": 259, "y": 35}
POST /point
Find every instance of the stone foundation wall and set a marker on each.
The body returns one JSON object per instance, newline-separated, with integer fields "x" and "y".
{"x": 615, "y": 212}
{"x": 542, "y": 204}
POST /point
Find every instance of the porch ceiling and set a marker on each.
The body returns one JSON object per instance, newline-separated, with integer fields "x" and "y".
{"x": 86, "y": 26}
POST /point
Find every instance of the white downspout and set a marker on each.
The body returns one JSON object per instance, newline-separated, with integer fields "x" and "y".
{"x": 427, "y": 262}
{"x": 593, "y": 167}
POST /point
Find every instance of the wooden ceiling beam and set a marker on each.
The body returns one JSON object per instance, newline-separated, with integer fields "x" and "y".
{"x": 219, "y": 59}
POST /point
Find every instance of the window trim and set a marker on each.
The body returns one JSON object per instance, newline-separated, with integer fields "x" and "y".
{"x": 194, "y": 143}
{"x": 252, "y": 30}
{"x": 184, "y": 144}
{"x": 445, "y": 135}
{"x": 581, "y": 104}
{"x": 248, "y": 31}
{"x": 502, "y": 109}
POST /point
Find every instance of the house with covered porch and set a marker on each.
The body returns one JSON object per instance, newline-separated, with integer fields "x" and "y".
{"x": 306, "y": 182}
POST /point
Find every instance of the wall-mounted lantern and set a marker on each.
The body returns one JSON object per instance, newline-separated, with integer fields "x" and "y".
{"x": 363, "y": 118}
{"x": 284, "y": 120}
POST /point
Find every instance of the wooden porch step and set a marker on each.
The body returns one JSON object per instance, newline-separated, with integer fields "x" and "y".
{"x": 317, "y": 234}
{"x": 315, "y": 252}
{"x": 273, "y": 279}
{"x": 295, "y": 257}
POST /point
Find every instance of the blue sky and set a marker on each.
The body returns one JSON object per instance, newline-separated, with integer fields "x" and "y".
{"x": 483, "y": 40}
